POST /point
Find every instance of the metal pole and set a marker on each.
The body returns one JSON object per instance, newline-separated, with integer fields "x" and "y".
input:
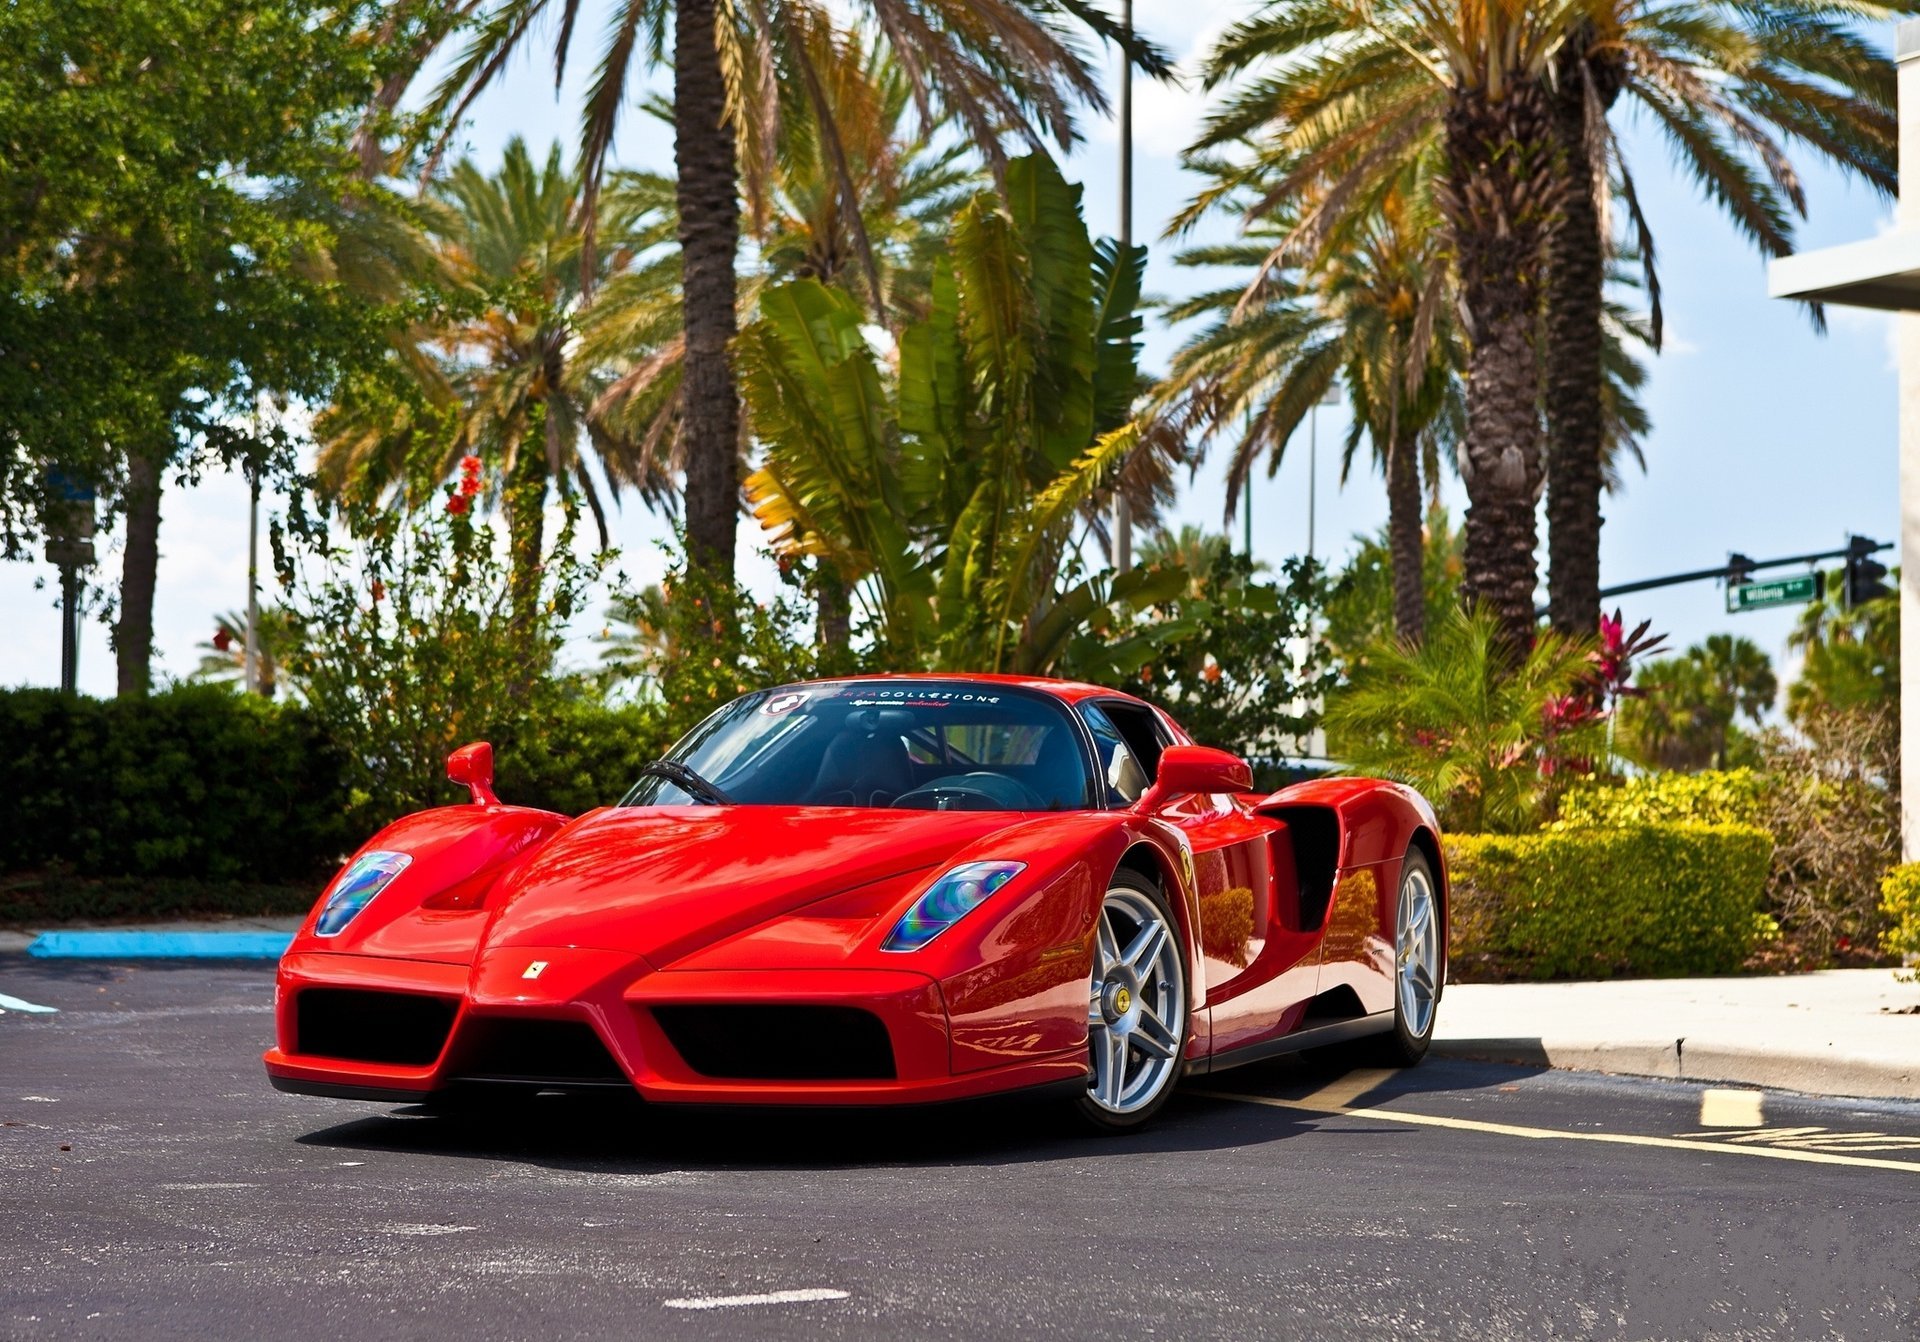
{"x": 69, "y": 628}
{"x": 253, "y": 582}
{"x": 1122, "y": 510}
{"x": 1313, "y": 470}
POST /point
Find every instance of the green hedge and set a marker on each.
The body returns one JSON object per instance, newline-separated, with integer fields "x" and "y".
{"x": 198, "y": 782}
{"x": 1900, "y": 901}
{"x": 1711, "y": 797}
{"x": 204, "y": 784}
{"x": 1651, "y": 900}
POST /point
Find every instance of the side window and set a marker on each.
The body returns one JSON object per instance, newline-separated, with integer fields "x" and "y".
{"x": 1120, "y": 768}
{"x": 1142, "y": 732}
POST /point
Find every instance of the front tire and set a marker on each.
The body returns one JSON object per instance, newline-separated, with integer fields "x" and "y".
{"x": 1136, "y": 1007}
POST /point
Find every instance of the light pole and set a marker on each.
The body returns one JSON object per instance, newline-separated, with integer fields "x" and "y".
{"x": 1122, "y": 510}
{"x": 1330, "y": 397}
{"x": 253, "y": 578}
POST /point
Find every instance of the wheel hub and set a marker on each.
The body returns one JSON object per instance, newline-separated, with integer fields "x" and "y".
{"x": 1118, "y": 997}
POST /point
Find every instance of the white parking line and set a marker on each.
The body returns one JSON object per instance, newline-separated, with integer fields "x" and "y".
{"x": 15, "y": 1004}
{"x": 803, "y": 1296}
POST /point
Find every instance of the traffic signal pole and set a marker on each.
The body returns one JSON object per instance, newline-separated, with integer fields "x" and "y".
{"x": 1739, "y": 568}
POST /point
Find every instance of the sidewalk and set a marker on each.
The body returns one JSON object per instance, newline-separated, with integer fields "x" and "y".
{"x": 1837, "y": 1032}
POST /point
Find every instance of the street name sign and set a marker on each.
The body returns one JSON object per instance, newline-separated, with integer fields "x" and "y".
{"x": 1783, "y": 592}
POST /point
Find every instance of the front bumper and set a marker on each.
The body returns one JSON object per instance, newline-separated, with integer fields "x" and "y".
{"x": 620, "y": 1000}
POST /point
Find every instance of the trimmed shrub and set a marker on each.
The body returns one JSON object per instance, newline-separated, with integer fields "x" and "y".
{"x": 1652, "y": 900}
{"x": 1900, "y": 901}
{"x": 198, "y": 782}
{"x": 579, "y": 754}
{"x": 131, "y": 807}
{"x": 1713, "y": 797}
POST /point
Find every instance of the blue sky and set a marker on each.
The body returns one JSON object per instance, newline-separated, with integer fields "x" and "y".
{"x": 1767, "y": 438}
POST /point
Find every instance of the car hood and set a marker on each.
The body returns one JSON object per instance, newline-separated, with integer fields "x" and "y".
{"x": 661, "y": 882}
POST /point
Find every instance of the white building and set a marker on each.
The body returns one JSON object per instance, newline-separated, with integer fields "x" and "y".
{"x": 1884, "y": 273}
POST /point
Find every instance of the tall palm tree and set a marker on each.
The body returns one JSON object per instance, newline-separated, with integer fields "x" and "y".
{"x": 1358, "y": 93}
{"x": 1374, "y": 307}
{"x": 499, "y": 378}
{"x": 1730, "y": 84}
{"x": 997, "y": 67}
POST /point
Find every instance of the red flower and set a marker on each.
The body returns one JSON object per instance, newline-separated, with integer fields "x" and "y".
{"x": 458, "y": 504}
{"x": 470, "y": 486}
{"x": 379, "y": 590}
{"x": 1212, "y": 673}
{"x": 1146, "y": 675}
{"x": 222, "y": 639}
{"x": 470, "y": 467}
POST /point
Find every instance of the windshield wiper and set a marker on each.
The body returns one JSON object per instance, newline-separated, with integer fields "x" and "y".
{"x": 687, "y": 781}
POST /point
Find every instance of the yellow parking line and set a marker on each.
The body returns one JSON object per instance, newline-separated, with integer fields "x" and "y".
{"x": 1313, "y": 1104}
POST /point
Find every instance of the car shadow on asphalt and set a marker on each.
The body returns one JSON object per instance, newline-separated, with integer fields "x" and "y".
{"x": 593, "y": 1133}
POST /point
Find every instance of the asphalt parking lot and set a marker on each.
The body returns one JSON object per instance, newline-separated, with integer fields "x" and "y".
{"x": 152, "y": 1185}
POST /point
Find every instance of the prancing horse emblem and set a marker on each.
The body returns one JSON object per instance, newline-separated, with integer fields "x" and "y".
{"x": 534, "y": 969}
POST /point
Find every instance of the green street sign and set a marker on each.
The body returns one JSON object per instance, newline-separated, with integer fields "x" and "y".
{"x": 1785, "y": 592}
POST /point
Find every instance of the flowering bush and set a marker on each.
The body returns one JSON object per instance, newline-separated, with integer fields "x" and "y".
{"x": 1900, "y": 902}
{"x": 410, "y": 645}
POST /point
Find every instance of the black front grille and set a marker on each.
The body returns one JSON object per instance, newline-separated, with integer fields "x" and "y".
{"x": 507, "y": 1048}
{"x": 779, "y": 1043}
{"x": 360, "y": 1026}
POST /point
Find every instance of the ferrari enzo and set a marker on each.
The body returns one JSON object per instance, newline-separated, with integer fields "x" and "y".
{"x": 877, "y": 891}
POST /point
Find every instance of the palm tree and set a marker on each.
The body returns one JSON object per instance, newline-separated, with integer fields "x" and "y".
{"x": 943, "y": 492}
{"x": 1727, "y": 83}
{"x": 998, "y": 67}
{"x": 1358, "y": 94}
{"x": 499, "y": 379}
{"x": 906, "y": 189}
{"x": 1463, "y": 719}
{"x": 1683, "y": 713}
{"x": 1374, "y": 308}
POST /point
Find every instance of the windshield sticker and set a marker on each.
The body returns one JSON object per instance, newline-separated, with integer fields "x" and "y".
{"x": 868, "y": 697}
{"x": 784, "y": 703}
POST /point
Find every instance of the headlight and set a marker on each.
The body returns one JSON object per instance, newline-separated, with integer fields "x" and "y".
{"x": 368, "y": 876}
{"x": 947, "y": 901}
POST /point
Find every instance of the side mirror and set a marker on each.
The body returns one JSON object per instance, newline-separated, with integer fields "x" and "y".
{"x": 1185, "y": 770}
{"x": 472, "y": 767}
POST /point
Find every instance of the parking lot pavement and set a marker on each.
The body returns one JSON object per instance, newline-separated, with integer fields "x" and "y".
{"x": 152, "y": 1185}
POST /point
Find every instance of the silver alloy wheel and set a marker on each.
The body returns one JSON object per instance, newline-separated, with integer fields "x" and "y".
{"x": 1137, "y": 1006}
{"x": 1417, "y": 948}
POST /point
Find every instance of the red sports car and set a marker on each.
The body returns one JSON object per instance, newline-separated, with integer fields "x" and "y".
{"x": 877, "y": 891}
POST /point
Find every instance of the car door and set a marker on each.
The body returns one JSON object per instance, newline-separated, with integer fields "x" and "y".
{"x": 1258, "y": 963}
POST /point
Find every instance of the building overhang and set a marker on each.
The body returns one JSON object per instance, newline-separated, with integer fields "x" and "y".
{"x": 1882, "y": 272}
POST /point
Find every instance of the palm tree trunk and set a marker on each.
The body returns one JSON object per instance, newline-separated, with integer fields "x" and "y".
{"x": 139, "y": 571}
{"x": 1404, "y": 541}
{"x": 1500, "y": 197}
{"x": 703, "y": 150}
{"x": 836, "y": 613}
{"x": 1576, "y": 272}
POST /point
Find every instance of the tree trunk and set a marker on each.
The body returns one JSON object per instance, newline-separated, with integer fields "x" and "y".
{"x": 1576, "y": 272}
{"x": 1404, "y": 541}
{"x": 703, "y": 151}
{"x": 1500, "y": 199}
{"x": 139, "y": 570}
{"x": 836, "y": 614}
{"x": 526, "y": 523}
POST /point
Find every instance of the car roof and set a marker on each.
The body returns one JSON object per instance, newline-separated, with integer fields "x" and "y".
{"x": 1068, "y": 691}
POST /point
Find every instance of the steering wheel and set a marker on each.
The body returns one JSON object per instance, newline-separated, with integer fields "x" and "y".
{"x": 999, "y": 792}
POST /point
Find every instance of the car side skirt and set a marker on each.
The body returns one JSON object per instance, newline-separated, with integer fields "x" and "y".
{"x": 1316, "y": 1036}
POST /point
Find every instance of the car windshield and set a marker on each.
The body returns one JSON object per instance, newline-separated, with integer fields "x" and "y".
{"x": 922, "y": 744}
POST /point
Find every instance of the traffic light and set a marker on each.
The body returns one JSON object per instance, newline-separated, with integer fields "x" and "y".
{"x": 1864, "y": 572}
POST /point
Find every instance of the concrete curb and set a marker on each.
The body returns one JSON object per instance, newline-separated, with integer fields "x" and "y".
{"x": 1830, "y": 1073}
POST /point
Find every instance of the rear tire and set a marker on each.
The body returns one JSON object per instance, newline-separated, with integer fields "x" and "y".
{"x": 1419, "y": 966}
{"x": 1137, "y": 1007}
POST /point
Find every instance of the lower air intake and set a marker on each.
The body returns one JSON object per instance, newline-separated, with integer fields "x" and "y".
{"x": 354, "y": 1025}
{"x": 779, "y": 1043}
{"x": 546, "y": 1052}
